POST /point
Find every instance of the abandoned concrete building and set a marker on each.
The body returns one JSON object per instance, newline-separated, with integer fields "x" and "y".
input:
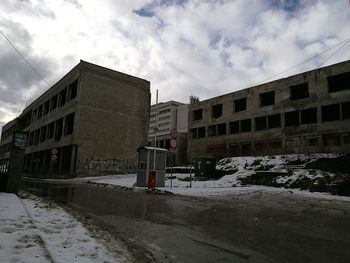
{"x": 5, "y": 151}
{"x": 304, "y": 113}
{"x": 171, "y": 115}
{"x": 86, "y": 123}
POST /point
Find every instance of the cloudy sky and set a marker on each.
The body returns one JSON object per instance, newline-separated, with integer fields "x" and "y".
{"x": 184, "y": 47}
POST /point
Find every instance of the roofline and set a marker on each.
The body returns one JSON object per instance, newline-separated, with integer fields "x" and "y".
{"x": 76, "y": 68}
{"x": 266, "y": 83}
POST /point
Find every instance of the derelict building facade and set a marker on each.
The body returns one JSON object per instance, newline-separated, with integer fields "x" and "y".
{"x": 304, "y": 113}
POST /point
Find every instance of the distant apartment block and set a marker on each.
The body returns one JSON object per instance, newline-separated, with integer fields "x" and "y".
{"x": 304, "y": 113}
{"x": 171, "y": 115}
{"x": 92, "y": 120}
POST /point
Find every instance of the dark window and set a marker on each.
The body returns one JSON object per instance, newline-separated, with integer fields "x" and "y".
{"x": 69, "y": 124}
{"x": 50, "y": 130}
{"x": 330, "y": 112}
{"x": 201, "y": 132}
{"x": 345, "y": 110}
{"x": 46, "y": 107}
{"x": 291, "y": 118}
{"x": 36, "y": 136}
{"x": 193, "y": 133}
{"x": 240, "y": 105}
{"x": 267, "y": 98}
{"x": 346, "y": 139}
{"x": 216, "y": 110}
{"x": 274, "y": 121}
{"x": 308, "y": 116}
{"x": 260, "y": 123}
{"x": 260, "y": 146}
{"x": 73, "y": 88}
{"x": 43, "y": 134}
{"x": 62, "y": 97}
{"x": 54, "y": 102}
{"x": 31, "y": 138}
{"x": 246, "y": 125}
{"x": 339, "y": 82}
{"x": 234, "y": 127}
{"x": 197, "y": 114}
{"x": 59, "y": 129}
{"x": 212, "y": 130}
{"x": 246, "y": 149}
{"x": 331, "y": 140}
{"x": 222, "y": 129}
{"x": 299, "y": 91}
{"x": 40, "y": 112}
{"x": 275, "y": 144}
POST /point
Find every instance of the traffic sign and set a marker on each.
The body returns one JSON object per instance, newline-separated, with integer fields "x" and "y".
{"x": 53, "y": 157}
{"x": 54, "y": 151}
{"x": 173, "y": 133}
{"x": 173, "y": 143}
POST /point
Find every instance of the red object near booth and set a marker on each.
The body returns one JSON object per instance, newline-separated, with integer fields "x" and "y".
{"x": 151, "y": 179}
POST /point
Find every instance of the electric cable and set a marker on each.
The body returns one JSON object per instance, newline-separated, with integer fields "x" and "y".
{"x": 30, "y": 65}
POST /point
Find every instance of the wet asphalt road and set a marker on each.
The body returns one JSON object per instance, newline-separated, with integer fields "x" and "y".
{"x": 251, "y": 227}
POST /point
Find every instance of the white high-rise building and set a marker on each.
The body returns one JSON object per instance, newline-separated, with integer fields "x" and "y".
{"x": 171, "y": 115}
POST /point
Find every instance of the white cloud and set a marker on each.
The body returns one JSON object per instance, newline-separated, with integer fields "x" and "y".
{"x": 203, "y": 48}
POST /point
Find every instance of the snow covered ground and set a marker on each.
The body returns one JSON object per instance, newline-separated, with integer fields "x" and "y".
{"x": 290, "y": 166}
{"x": 32, "y": 230}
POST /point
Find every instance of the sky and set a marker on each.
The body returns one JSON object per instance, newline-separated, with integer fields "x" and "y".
{"x": 183, "y": 47}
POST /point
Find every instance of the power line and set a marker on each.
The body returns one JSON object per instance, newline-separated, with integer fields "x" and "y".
{"x": 330, "y": 56}
{"x": 30, "y": 65}
{"x": 347, "y": 40}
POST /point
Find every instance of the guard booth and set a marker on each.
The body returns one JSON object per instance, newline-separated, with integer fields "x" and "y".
{"x": 148, "y": 175}
{"x": 204, "y": 167}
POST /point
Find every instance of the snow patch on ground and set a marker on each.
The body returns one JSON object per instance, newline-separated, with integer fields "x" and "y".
{"x": 37, "y": 231}
{"x": 237, "y": 168}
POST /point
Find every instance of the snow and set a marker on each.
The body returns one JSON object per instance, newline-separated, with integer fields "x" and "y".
{"x": 37, "y": 231}
{"x": 240, "y": 167}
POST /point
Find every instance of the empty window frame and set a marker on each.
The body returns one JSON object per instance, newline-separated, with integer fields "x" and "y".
{"x": 346, "y": 139}
{"x": 330, "y": 140}
{"x": 73, "y": 90}
{"x": 267, "y": 98}
{"x": 36, "y": 136}
{"x": 197, "y": 115}
{"x": 275, "y": 144}
{"x": 240, "y": 104}
{"x": 43, "y": 134}
{"x": 299, "y": 91}
{"x": 308, "y": 116}
{"x": 339, "y": 82}
{"x": 31, "y": 138}
{"x": 221, "y": 129}
{"x": 46, "y": 107}
{"x": 62, "y": 97}
{"x": 193, "y": 133}
{"x": 234, "y": 127}
{"x": 50, "y": 130}
{"x": 216, "y": 110}
{"x": 54, "y": 101}
{"x": 345, "y": 110}
{"x": 40, "y": 112}
{"x": 260, "y": 123}
{"x": 291, "y": 118}
{"x": 69, "y": 124}
{"x": 330, "y": 112}
{"x": 201, "y": 132}
{"x": 59, "y": 129}
{"x": 212, "y": 130}
{"x": 274, "y": 121}
{"x": 246, "y": 125}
